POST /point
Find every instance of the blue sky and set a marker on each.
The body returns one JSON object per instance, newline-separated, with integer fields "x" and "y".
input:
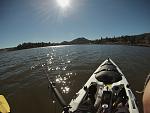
{"x": 43, "y": 20}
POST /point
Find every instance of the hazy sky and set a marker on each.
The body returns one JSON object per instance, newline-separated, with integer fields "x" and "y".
{"x": 44, "y": 20}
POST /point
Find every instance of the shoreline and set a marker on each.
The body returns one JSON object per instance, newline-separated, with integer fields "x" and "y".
{"x": 15, "y": 49}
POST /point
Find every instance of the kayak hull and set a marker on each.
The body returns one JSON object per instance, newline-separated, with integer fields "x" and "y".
{"x": 107, "y": 76}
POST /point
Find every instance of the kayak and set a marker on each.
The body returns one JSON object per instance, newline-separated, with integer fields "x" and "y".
{"x": 4, "y": 106}
{"x": 106, "y": 91}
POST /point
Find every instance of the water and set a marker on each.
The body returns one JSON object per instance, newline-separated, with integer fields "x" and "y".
{"x": 23, "y": 80}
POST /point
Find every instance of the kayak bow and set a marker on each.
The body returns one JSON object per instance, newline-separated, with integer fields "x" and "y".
{"x": 106, "y": 91}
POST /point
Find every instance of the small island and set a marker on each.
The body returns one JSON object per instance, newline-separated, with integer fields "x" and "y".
{"x": 134, "y": 40}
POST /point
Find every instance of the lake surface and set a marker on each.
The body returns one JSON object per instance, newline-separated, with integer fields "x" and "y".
{"x": 23, "y": 73}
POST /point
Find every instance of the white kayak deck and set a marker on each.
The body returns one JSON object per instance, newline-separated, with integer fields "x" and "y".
{"x": 74, "y": 104}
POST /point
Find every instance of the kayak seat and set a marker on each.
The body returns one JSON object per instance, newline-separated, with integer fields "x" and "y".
{"x": 108, "y": 77}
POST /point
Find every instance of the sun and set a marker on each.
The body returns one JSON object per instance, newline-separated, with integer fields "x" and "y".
{"x": 63, "y": 3}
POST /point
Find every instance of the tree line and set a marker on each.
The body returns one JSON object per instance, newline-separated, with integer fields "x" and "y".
{"x": 143, "y": 39}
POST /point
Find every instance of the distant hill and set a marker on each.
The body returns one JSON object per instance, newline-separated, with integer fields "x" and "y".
{"x": 81, "y": 40}
{"x": 134, "y": 40}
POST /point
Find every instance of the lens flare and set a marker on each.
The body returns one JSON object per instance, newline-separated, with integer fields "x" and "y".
{"x": 63, "y": 3}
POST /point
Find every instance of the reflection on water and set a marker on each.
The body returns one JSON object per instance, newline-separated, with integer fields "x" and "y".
{"x": 23, "y": 79}
{"x": 55, "y": 64}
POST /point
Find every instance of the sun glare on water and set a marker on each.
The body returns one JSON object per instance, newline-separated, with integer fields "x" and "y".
{"x": 63, "y": 3}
